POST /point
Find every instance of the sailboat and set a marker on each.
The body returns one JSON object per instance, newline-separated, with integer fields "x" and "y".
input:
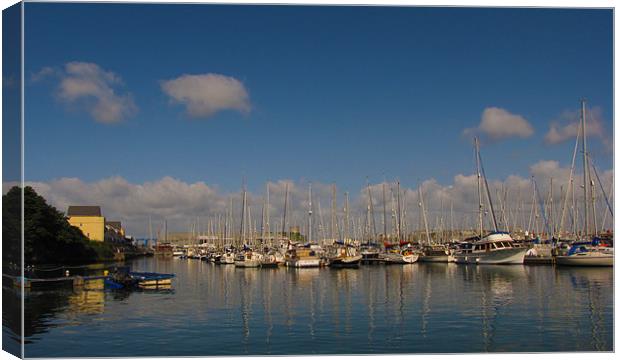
{"x": 589, "y": 252}
{"x": 371, "y": 251}
{"x": 498, "y": 247}
{"x": 270, "y": 258}
{"x": 305, "y": 256}
{"x": 431, "y": 252}
{"x": 400, "y": 252}
{"x": 246, "y": 258}
{"x": 343, "y": 253}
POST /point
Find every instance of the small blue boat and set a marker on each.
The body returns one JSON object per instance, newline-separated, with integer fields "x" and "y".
{"x": 122, "y": 278}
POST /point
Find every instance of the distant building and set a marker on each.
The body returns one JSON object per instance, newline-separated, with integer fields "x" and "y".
{"x": 116, "y": 226}
{"x": 89, "y": 220}
{"x": 114, "y": 232}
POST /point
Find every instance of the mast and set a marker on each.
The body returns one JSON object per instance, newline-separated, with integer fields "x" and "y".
{"x": 310, "y": 213}
{"x": 585, "y": 166}
{"x": 570, "y": 189}
{"x": 321, "y": 223}
{"x": 398, "y": 214}
{"x": 551, "y": 207}
{"x": 333, "y": 215}
{"x": 285, "y": 206}
{"x": 486, "y": 184}
{"x": 384, "y": 214}
{"x": 268, "y": 226}
{"x": 428, "y": 236}
{"x": 480, "y": 209}
{"x": 372, "y": 212}
{"x": 593, "y": 197}
{"x": 451, "y": 222}
{"x": 346, "y": 216}
{"x": 242, "y": 229}
{"x": 150, "y": 230}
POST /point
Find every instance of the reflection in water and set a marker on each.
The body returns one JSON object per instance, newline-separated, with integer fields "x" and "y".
{"x": 219, "y": 310}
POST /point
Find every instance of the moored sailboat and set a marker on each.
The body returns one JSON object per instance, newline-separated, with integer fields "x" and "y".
{"x": 589, "y": 252}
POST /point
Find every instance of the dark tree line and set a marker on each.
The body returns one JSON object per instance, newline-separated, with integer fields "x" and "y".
{"x": 48, "y": 236}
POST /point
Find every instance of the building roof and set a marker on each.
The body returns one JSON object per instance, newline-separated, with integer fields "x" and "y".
{"x": 115, "y": 224}
{"x": 84, "y": 211}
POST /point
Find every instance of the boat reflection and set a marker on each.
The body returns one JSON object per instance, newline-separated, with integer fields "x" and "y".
{"x": 408, "y": 308}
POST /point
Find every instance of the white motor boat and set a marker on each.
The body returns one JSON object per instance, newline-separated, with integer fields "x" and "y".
{"x": 495, "y": 248}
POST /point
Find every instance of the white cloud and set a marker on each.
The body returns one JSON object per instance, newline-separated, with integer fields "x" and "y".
{"x": 92, "y": 89}
{"x": 497, "y": 124}
{"x": 43, "y": 73}
{"x": 567, "y": 125}
{"x": 182, "y": 203}
{"x": 206, "y": 94}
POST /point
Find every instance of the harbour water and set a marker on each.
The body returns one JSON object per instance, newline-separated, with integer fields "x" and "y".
{"x": 419, "y": 308}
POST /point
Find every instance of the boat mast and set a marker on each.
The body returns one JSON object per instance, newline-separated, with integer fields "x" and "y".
{"x": 321, "y": 223}
{"x": 384, "y": 214}
{"x": 242, "y": 229}
{"x": 310, "y": 213}
{"x": 284, "y": 215}
{"x": 585, "y": 166}
{"x": 372, "y": 212}
{"x": 150, "y": 230}
{"x": 268, "y": 226}
{"x": 480, "y": 209}
{"x": 570, "y": 189}
{"x": 486, "y": 185}
{"x": 333, "y": 214}
{"x": 428, "y": 236}
{"x": 398, "y": 214}
{"x": 551, "y": 207}
{"x": 451, "y": 221}
{"x": 346, "y": 216}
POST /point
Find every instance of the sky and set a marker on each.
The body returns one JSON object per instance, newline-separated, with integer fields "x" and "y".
{"x": 198, "y": 97}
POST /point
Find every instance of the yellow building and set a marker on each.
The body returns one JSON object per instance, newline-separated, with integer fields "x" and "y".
{"x": 89, "y": 220}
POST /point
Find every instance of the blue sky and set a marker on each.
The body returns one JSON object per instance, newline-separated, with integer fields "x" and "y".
{"x": 335, "y": 94}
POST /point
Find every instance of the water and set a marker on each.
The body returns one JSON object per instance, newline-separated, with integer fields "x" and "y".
{"x": 420, "y": 308}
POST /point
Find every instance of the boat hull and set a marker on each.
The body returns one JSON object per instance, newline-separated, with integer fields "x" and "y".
{"x": 348, "y": 261}
{"x": 435, "y": 258}
{"x": 512, "y": 256}
{"x": 247, "y": 264}
{"x": 227, "y": 259}
{"x": 304, "y": 263}
{"x": 586, "y": 260}
{"x": 393, "y": 258}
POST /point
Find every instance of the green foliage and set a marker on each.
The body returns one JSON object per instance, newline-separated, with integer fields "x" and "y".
{"x": 48, "y": 236}
{"x": 11, "y": 226}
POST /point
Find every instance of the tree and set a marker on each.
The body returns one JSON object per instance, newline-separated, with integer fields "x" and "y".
{"x": 48, "y": 236}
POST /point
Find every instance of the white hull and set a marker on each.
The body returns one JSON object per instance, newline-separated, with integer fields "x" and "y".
{"x": 227, "y": 259}
{"x": 394, "y": 258}
{"x": 410, "y": 259}
{"x": 304, "y": 263}
{"x": 512, "y": 256}
{"x": 247, "y": 264}
{"x": 585, "y": 260}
